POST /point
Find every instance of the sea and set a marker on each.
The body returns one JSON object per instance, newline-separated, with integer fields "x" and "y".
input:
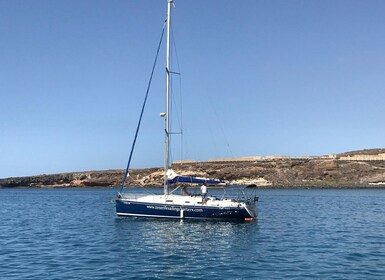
{"x": 73, "y": 233}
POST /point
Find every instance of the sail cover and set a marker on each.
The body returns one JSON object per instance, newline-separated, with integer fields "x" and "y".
{"x": 173, "y": 178}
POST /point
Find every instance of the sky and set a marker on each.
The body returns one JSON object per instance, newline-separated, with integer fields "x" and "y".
{"x": 257, "y": 77}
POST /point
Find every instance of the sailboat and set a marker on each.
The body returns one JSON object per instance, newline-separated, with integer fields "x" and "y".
{"x": 172, "y": 203}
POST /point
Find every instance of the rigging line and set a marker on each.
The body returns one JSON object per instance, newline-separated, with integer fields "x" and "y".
{"x": 176, "y": 53}
{"x": 221, "y": 127}
{"x": 176, "y": 116}
{"x": 179, "y": 114}
{"x": 143, "y": 106}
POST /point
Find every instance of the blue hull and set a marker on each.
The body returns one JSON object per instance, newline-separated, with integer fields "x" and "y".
{"x": 157, "y": 210}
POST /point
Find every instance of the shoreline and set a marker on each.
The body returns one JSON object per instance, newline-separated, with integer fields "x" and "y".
{"x": 352, "y": 170}
{"x": 293, "y": 187}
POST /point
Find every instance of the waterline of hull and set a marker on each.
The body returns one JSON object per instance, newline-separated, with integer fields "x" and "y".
{"x": 160, "y": 210}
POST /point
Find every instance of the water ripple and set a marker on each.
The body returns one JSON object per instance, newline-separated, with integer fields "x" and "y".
{"x": 304, "y": 234}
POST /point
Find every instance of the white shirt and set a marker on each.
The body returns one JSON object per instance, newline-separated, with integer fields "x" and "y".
{"x": 203, "y": 189}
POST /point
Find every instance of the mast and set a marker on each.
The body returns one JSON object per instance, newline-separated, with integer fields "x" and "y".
{"x": 167, "y": 120}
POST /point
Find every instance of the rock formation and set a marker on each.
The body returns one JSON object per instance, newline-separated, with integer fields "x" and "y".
{"x": 348, "y": 170}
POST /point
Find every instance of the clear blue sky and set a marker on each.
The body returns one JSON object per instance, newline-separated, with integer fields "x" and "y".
{"x": 271, "y": 77}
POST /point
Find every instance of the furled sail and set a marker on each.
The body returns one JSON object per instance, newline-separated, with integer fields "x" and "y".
{"x": 173, "y": 178}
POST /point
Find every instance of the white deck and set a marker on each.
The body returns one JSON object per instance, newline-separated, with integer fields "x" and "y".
{"x": 186, "y": 200}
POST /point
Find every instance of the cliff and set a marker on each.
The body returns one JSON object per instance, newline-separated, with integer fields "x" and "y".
{"x": 364, "y": 168}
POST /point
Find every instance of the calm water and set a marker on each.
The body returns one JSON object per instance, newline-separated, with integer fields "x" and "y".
{"x": 74, "y": 234}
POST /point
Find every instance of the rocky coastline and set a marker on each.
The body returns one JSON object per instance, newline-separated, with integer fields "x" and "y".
{"x": 347, "y": 170}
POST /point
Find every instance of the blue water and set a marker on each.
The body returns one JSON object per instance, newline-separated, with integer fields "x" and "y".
{"x": 299, "y": 234}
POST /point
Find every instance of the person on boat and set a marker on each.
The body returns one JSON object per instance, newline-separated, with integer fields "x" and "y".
{"x": 204, "y": 192}
{"x": 184, "y": 190}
